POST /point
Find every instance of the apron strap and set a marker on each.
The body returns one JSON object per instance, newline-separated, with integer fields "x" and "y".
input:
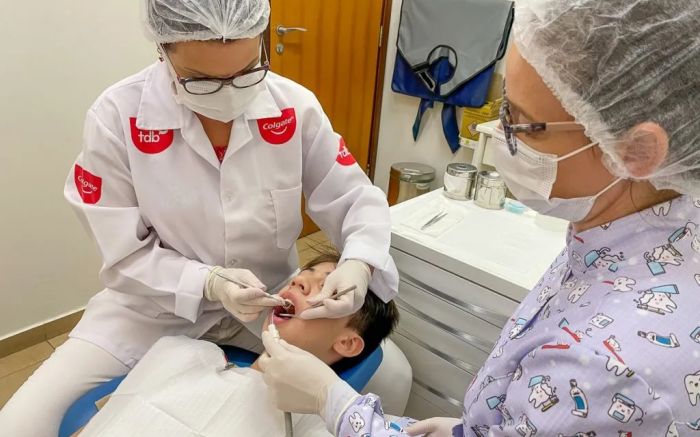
{"x": 449, "y": 126}
{"x": 423, "y": 106}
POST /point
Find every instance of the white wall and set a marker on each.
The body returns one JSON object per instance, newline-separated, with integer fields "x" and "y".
{"x": 398, "y": 114}
{"x": 55, "y": 58}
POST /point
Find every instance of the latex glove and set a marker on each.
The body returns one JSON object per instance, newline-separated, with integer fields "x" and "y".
{"x": 434, "y": 427}
{"x": 297, "y": 381}
{"x": 350, "y": 272}
{"x": 245, "y": 303}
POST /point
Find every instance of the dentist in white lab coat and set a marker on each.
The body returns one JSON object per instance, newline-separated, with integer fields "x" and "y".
{"x": 195, "y": 167}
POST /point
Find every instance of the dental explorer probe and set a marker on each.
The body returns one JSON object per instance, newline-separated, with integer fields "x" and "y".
{"x": 286, "y": 303}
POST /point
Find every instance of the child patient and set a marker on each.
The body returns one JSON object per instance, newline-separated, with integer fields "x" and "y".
{"x": 181, "y": 387}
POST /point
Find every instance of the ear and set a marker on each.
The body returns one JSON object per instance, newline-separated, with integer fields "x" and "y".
{"x": 644, "y": 149}
{"x": 349, "y": 344}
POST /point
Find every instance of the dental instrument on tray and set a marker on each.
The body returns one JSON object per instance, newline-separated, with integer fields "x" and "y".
{"x": 288, "y": 426}
{"x": 439, "y": 216}
{"x": 334, "y": 297}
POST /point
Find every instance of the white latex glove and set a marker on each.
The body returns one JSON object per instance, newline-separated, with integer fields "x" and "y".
{"x": 350, "y": 272}
{"x": 434, "y": 427}
{"x": 246, "y": 304}
{"x": 297, "y": 381}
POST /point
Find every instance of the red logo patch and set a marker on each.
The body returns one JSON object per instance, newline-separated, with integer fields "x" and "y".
{"x": 278, "y": 131}
{"x": 344, "y": 155}
{"x": 89, "y": 186}
{"x": 150, "y": 141}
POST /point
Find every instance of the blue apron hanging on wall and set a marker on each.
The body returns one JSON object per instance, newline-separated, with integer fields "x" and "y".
{"x": 447, "y": 51}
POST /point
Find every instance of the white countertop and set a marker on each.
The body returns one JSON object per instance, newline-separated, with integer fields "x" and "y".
{"x": 514, "y": 248}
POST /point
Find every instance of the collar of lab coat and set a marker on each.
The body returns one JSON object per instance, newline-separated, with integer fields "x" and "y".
{"x": 158, "y": 109}
{"x": 264, "y": 106}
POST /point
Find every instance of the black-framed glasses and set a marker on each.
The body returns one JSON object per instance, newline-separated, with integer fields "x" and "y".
{"x": 245, "y": 79}
{"x": 510, "y": 128}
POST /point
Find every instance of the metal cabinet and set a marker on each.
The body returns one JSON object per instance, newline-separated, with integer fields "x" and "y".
{"x": 448, "y": 327}
{"x": 458, "y": 289}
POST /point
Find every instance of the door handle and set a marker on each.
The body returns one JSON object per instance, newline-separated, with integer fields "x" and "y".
{"x": 281, "y": 30}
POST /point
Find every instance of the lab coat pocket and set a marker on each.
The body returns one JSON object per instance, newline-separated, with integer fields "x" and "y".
{"x": 287, "y": 205}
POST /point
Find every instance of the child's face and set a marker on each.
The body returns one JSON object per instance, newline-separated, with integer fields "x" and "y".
{"x": 328, "y": 339}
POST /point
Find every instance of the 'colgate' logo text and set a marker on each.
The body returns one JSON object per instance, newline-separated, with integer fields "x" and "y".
{"x": 278, "y": 131}
{"x": 344, "y": 155}
{"x": 150, "y": 141}
{"x": 89, "y": 186}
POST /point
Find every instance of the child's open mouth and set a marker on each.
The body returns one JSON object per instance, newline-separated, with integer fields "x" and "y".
{"x": 282, "y": 314}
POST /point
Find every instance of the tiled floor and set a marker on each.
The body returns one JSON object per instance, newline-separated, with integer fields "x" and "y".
{"x": 16, "y": 368}
{"x": 309, "y": 247}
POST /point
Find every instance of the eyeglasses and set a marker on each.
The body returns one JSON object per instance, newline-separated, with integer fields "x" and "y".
{"x": 244, "y": 79}
{"x": 510, "y": 129}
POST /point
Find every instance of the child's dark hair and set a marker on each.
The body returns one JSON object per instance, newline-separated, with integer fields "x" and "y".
{"x": 373, "y": 322}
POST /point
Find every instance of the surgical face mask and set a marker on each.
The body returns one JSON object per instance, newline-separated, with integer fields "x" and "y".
{"x": 225, "y": 105}
{"x": 530, "y": 176}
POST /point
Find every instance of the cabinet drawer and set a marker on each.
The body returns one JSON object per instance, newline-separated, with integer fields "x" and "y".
{"x": 423, "y": 404}
{"x": 420, "y": 408}
{"x": 447, "y": 378}
{"x": 450, "y": 348}
{"x": 470, "y": 297}
{"x": 447, "y": 317}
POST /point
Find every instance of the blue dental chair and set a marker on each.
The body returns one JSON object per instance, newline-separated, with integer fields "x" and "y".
{"x": 82, "y": 410}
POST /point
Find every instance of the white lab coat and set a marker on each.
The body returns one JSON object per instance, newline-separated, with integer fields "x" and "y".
{"x": 162, "y": 210}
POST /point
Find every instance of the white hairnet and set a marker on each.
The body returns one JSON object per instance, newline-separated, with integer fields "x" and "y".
{"x": 614, "y": 64}
{"x": 170, "y": 21}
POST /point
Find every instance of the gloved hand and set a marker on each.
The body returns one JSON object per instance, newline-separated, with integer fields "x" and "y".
{"x": 297, "y": 381}
{"x": 245, "y": 303}
{"x": 434, "y": 427}
{"x": 348, "y": 273}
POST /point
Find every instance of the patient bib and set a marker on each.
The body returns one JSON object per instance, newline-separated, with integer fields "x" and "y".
{"x": 180, "y": 389}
